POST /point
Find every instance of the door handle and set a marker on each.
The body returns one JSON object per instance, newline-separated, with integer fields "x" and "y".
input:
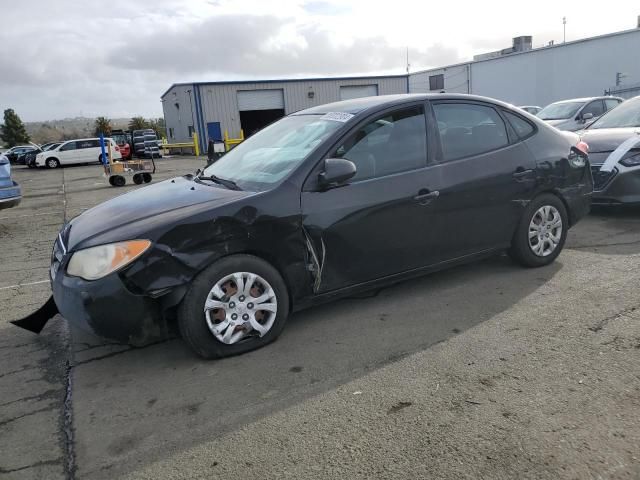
{"x": 425, "y": 197}
{"x": 521, "y": 173}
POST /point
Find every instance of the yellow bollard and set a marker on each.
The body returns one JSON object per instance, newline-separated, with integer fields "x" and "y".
{"x": 196, "y": 146}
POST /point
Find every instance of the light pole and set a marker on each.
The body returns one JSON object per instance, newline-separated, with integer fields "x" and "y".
{"x": 564, "y": 29}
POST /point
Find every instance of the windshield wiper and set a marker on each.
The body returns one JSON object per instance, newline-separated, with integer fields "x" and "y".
{"x": 230, "y": 184}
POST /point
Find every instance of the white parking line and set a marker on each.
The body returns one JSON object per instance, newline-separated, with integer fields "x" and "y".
{"x": 24, "y": 284}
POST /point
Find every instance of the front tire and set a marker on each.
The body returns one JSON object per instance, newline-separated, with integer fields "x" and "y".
{"x": 53, "y": 163}
{"x": 541, "y": 233}
{"x": 238, "y": 304}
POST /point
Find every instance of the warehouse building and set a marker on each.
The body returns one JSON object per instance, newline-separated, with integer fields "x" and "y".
{"x": 212, "y": 108}
{"x": 519, "y": 74}
{"x": 522, "y": 75}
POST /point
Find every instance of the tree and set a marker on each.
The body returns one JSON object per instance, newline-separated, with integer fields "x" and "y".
{"x": 102, "y": 126}
{"x": 13, "y": 131}
{"x": 158, "y": 125}
{"x": 138, "y": 123}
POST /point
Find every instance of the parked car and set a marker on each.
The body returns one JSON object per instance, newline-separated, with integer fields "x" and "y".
{"x": 30, "y": 157}
{"x": 577, "y": 113}
{"x": 323, "y": 203}
{"x": 86, "y": 150}
{"x": 14, "y": 154}
{"x": 10, "y": 192}
{"x": 124, "y": 141}
{"x": 532, "y": 109}
{"x": 614, "y": 143}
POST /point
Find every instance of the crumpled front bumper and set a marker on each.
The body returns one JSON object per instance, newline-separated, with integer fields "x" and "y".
{"x": 622, "y": 188}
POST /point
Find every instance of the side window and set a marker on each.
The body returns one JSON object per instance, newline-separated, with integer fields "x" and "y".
{"x": 595, "y": 107}
{"x": 68, "y": 146}
{"x": 395, "y": 142}
{"x": 88, "y": 144}
{"x": 522, "y": 127}
{"x": 469, "y": 129}
{"x": 611, "y": 103}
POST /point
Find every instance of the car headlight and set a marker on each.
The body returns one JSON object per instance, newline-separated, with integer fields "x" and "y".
{"x": 96, "y": 262}
{"x": 632, "y": 161}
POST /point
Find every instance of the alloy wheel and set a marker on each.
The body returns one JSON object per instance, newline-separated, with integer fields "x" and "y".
{"x": 545, "y": 230}
{"x": 240, "y": 306}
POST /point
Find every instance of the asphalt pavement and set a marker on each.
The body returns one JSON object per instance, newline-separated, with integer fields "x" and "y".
{"x": 484, "y": 371}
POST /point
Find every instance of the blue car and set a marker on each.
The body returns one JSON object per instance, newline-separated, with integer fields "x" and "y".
{"x": 10, "y": 194}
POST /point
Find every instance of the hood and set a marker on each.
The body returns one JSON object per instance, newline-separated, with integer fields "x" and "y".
{"x": 607, "y": 139}
{"x": 176, "y": 198}
{"x": 561, "y": 124}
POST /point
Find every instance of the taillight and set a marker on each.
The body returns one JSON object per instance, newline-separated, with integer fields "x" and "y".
{"x": 583, "y": 147}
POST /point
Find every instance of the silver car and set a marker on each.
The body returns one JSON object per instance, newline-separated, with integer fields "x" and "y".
{"x": 577, "y": 113}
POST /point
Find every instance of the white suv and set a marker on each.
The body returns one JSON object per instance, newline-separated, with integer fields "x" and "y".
{"x": 85, "y": 150}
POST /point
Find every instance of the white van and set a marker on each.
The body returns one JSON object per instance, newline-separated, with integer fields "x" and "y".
{"x": 85, "y": 150}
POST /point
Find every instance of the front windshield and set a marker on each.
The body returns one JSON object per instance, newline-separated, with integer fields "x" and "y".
{"x": 559, "y": 111}
{"x": 267, "y": 157}
{"x": 626, "y": 115}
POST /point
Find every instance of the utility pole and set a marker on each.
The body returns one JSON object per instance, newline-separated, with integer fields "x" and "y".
{"x": 408, "y": 64}
{"x": 564, "y": 28}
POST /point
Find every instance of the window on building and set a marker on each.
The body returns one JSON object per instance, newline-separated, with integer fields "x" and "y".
{"x": 191, "y": 131}
{"x": 469, "y": 129}
{"x": 170, "y": 132}
{"x": 436, "y": 82}
{"x": 395, "y": 142}
{"x": 522, "y": 127}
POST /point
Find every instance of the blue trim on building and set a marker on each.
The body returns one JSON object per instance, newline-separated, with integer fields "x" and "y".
{"x": 202, "y": 134}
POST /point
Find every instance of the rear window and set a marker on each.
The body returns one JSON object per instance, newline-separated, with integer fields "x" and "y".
{"x": 522, "y": 127}
{"x": 469, "y": 129}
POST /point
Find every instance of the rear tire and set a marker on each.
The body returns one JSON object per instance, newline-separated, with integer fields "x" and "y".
{"x": 197, "y": 323}
{"x": 146, "y": 177}
{"x": 52, "y": 163}
{"x": 138, "y": 178}
{"x": 541, "y": 233}
{"x": 119, "y": 181}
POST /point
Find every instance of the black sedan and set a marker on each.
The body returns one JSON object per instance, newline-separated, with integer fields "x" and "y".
{"x": 614, "y": 146}
{"x": 323, "y": 203}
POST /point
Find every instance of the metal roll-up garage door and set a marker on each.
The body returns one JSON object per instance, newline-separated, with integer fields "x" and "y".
{"x": 260, "y": 100}
{"x": 348, "y": 92}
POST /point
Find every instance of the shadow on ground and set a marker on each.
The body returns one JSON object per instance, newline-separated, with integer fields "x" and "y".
{"x": 131, "y": 406}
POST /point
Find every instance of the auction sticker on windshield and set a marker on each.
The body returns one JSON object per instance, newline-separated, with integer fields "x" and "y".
{"x": 337, "y": 116}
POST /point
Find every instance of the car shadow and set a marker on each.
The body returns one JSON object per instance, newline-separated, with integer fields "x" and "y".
{"x": 132, "y": 406}
{"x": 608, "y": 230}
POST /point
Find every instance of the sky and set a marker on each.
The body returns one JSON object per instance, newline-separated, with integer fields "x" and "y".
{"x": 68, "y": 58}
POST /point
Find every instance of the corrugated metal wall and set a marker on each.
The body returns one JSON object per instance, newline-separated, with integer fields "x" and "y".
{"x": 220, "y": 103}
{"x": 179, "y": 118}
{"x": 455, "y": 80}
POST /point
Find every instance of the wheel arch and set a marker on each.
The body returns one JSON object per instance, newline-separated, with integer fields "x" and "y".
{"x": 558, "y": 193}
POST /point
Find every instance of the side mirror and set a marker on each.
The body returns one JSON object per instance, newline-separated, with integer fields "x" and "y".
{"x": 587, "y": 116}
{"x": 336, "y": 171}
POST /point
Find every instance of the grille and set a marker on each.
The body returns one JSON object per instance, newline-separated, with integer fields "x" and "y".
{"x": 602, "y": 179}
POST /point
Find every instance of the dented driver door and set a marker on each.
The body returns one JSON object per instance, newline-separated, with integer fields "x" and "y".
{"x": 380, "y": 223}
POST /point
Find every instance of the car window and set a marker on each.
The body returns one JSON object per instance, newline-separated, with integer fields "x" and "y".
{"x": 560, "y": 111}
{"x": 395, "y": 142}
{"x": 624, "y": 116}
{"x": 596, "y": 108}
{"x": 88, "y": 143}
{"x": 611, "y": 103}
{"x": 68, "y": 146}
{"x": 469, "y": 129}
{"x": 522, "y": 127}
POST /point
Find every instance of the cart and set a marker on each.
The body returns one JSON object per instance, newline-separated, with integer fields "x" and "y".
{"x": 139, "y": 170}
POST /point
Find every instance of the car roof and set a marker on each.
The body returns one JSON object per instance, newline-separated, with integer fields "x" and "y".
{"x": 359, "y": 105}
{"x": 81, "y": 139}
{"x": 586, "y": 99}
